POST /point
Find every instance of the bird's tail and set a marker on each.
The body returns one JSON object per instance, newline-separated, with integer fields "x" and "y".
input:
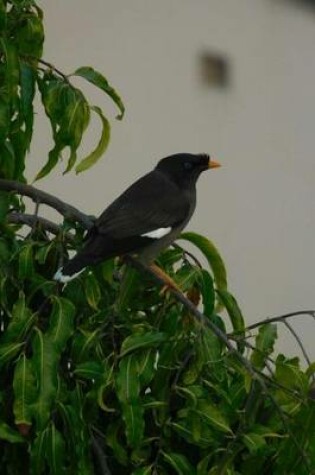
{"x": 71, "y": 269}
{"x": 96, "y": 249}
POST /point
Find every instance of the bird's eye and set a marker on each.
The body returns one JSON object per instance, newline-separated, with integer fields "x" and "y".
{"x": 188, "y": 165}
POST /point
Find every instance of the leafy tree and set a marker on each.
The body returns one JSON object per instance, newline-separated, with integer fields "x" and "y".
{"x": 107, "y": 375}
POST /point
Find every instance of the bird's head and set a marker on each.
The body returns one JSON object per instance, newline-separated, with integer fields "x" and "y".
{"x": 185, "y": 168}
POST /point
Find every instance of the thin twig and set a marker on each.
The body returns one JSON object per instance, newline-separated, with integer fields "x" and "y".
{"x": 47, "y": 64}
{"x": 189, "y": 254}
{"x": 299, "y": 342}
{"x": 280, "y": 318}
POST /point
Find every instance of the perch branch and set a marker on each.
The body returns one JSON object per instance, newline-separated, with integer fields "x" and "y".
{"x": 37, "y": 195}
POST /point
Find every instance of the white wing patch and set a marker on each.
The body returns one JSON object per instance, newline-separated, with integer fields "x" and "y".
{"x": 62, "y": 278}
{"x": 157, "y": 233}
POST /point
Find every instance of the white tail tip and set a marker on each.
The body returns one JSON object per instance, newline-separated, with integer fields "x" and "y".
{"x": 62, "y": 278}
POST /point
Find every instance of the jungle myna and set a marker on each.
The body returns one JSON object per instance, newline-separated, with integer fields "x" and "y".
{"x": 146, "y": 218}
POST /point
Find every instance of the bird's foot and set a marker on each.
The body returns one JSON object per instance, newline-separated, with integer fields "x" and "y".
{"x": 169, "y": 283}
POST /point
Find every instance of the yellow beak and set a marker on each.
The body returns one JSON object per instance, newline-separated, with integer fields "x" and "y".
{"x": 213, "y": 164}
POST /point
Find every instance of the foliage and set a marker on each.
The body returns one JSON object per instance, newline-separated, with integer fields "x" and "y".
{"x": 108, "y": 375}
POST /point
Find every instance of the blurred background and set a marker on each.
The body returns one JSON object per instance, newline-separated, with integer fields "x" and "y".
{"x": 231, "y": 78}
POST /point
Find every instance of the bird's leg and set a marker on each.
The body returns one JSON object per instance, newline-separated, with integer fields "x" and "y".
{"x": 168, "y": 281}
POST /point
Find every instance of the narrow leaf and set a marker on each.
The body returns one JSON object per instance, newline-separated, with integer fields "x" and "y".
{"x": 179, "y": 463}
{"x": 10, "y": 435}
{"x": 61, "y": 322}
{"x": 127, "y": 381}
{"x": 92, "y": 291}
{"x": 98, "y": 80}
{"x": 235, "y": 315}
{"x": 144, "y": 340}
{"x": 212, "y": 255}
{"x": 24, "y": 386}
{"x": 26, "y": 268}
{"x": 8, "y": 351}
{"x": 44, "y": 361}
{"x": 55, "y": 451}
{"x": 265, "y": 341}
{"x": 213, "y": 416}
{"x": 94, "y": 156}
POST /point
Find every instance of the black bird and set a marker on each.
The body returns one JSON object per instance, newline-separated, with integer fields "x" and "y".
{"x": 146, "y": 218}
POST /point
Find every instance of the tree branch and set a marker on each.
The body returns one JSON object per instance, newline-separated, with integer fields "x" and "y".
{"x": 280, "y": 318}
{"x": 40, "y": 196}
{"x": 32, "y": 220}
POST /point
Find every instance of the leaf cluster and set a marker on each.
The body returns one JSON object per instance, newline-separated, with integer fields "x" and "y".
{"x": 109, "y": 363}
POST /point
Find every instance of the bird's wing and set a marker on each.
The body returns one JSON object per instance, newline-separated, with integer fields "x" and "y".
{"x": 151, "y": 206}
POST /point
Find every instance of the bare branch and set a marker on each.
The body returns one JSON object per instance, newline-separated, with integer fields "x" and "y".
{"x": 31, "y": 59}
{"x": 299, "y": 342}
{"x": 33, "y": 220}
{"x": 281, "y": 318}
{"x": 37, "y": 195}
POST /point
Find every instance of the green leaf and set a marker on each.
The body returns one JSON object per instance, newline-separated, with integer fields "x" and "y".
{"x": 141, "y": 340}
{"x": 30, "y": 35}
{"x": 127, "y": 381}
{"x": 26, "y": 268}
{"x": 253, "y": 442}
{"x": 7, "y": 164}
{"x": 213, "y": 416}
{"x": 44, "y": 361}
{"x": 89, "y": 370}
{"x": 128, "y": 388}
{"x": 235, "y": 315}
{"x": 4, "y": 121}
{"x": 289, "y": 374}
{"x": 113, "y": 440}
{"x": 24, "y": 386}
{"x": 179, "y": 463}
{"x": 53, "y": 158}
{"x": 61, "y": 322}
{"x": 128, "y": 289}
{"x": 8, "y": 351}
{"x": 265, "y": 341}
{"x": 98, "y": 80}
{"x": 69, "y": 115}
{"x": 55, "y": 448}
{"x": 10, "y": 435}
{"x": 187, "y": 276}
{"x": 92, "y": 291}
{"x": 133, "y": 417}
{"x": 20, "y": 323}
{"x": 94, "y": 156}
{"x": 207, "y": 292}
{"x": 12, "y": 73}
{"x": 78, "y": 438}
{"x": 212, "y": 255}
{"x": 38, "y": 452}
{"x": 146, "y": 366}
{"x": 27, "y": 83}
{"x": 143, "y": 471}
{"x": 210, "y": 348}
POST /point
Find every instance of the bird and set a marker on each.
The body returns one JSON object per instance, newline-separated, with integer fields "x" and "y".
{"x": 144, "y": 219}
